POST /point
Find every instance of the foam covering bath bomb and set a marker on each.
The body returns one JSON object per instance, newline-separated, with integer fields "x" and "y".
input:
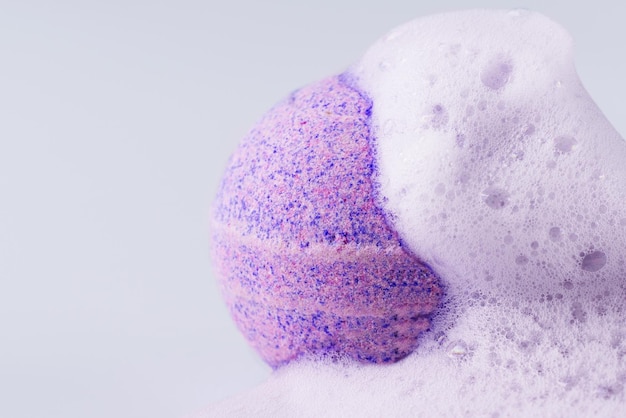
{"x": 461, "y": 152}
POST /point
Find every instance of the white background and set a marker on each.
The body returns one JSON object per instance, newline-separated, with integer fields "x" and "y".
{"x": 116, "y": 121}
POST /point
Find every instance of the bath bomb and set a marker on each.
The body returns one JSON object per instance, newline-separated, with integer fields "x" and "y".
{"x": 307, "y": 261}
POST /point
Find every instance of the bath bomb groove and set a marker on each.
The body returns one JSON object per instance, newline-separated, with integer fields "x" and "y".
{"x": 305, "y": 257}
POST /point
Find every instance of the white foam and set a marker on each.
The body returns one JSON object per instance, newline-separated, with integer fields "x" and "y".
{"x": 523, "y": 366}
{"x": 486, "y": 143}
{"x": 497, "y": 168}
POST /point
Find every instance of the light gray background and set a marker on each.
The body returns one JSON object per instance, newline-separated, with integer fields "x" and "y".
{"x": 116, "y": 121}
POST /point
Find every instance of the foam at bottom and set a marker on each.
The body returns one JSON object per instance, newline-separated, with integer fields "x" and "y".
{"x": 555, "y": 358}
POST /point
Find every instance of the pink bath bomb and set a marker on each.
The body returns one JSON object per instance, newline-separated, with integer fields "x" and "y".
{"x": 306, "y": 259}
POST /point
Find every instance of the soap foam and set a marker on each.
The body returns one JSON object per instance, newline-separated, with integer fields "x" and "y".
{"x": 496, "y": 168}
{"x": 557, "y": 358}
{"x": 488, "y": 143}
{"x": 522, "y": 366}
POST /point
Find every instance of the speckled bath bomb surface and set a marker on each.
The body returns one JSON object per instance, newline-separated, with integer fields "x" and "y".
{"x": 306, "y": 259}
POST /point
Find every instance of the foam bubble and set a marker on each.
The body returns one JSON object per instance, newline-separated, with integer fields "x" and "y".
{"x": 496, "y": 73}
{"x": 594, "y": 261}
{"x": 564, "y": 144}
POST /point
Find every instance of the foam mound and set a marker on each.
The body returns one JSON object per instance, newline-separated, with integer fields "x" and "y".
{"x": 492, "y": 166}
{"x": 496, "y": 165}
